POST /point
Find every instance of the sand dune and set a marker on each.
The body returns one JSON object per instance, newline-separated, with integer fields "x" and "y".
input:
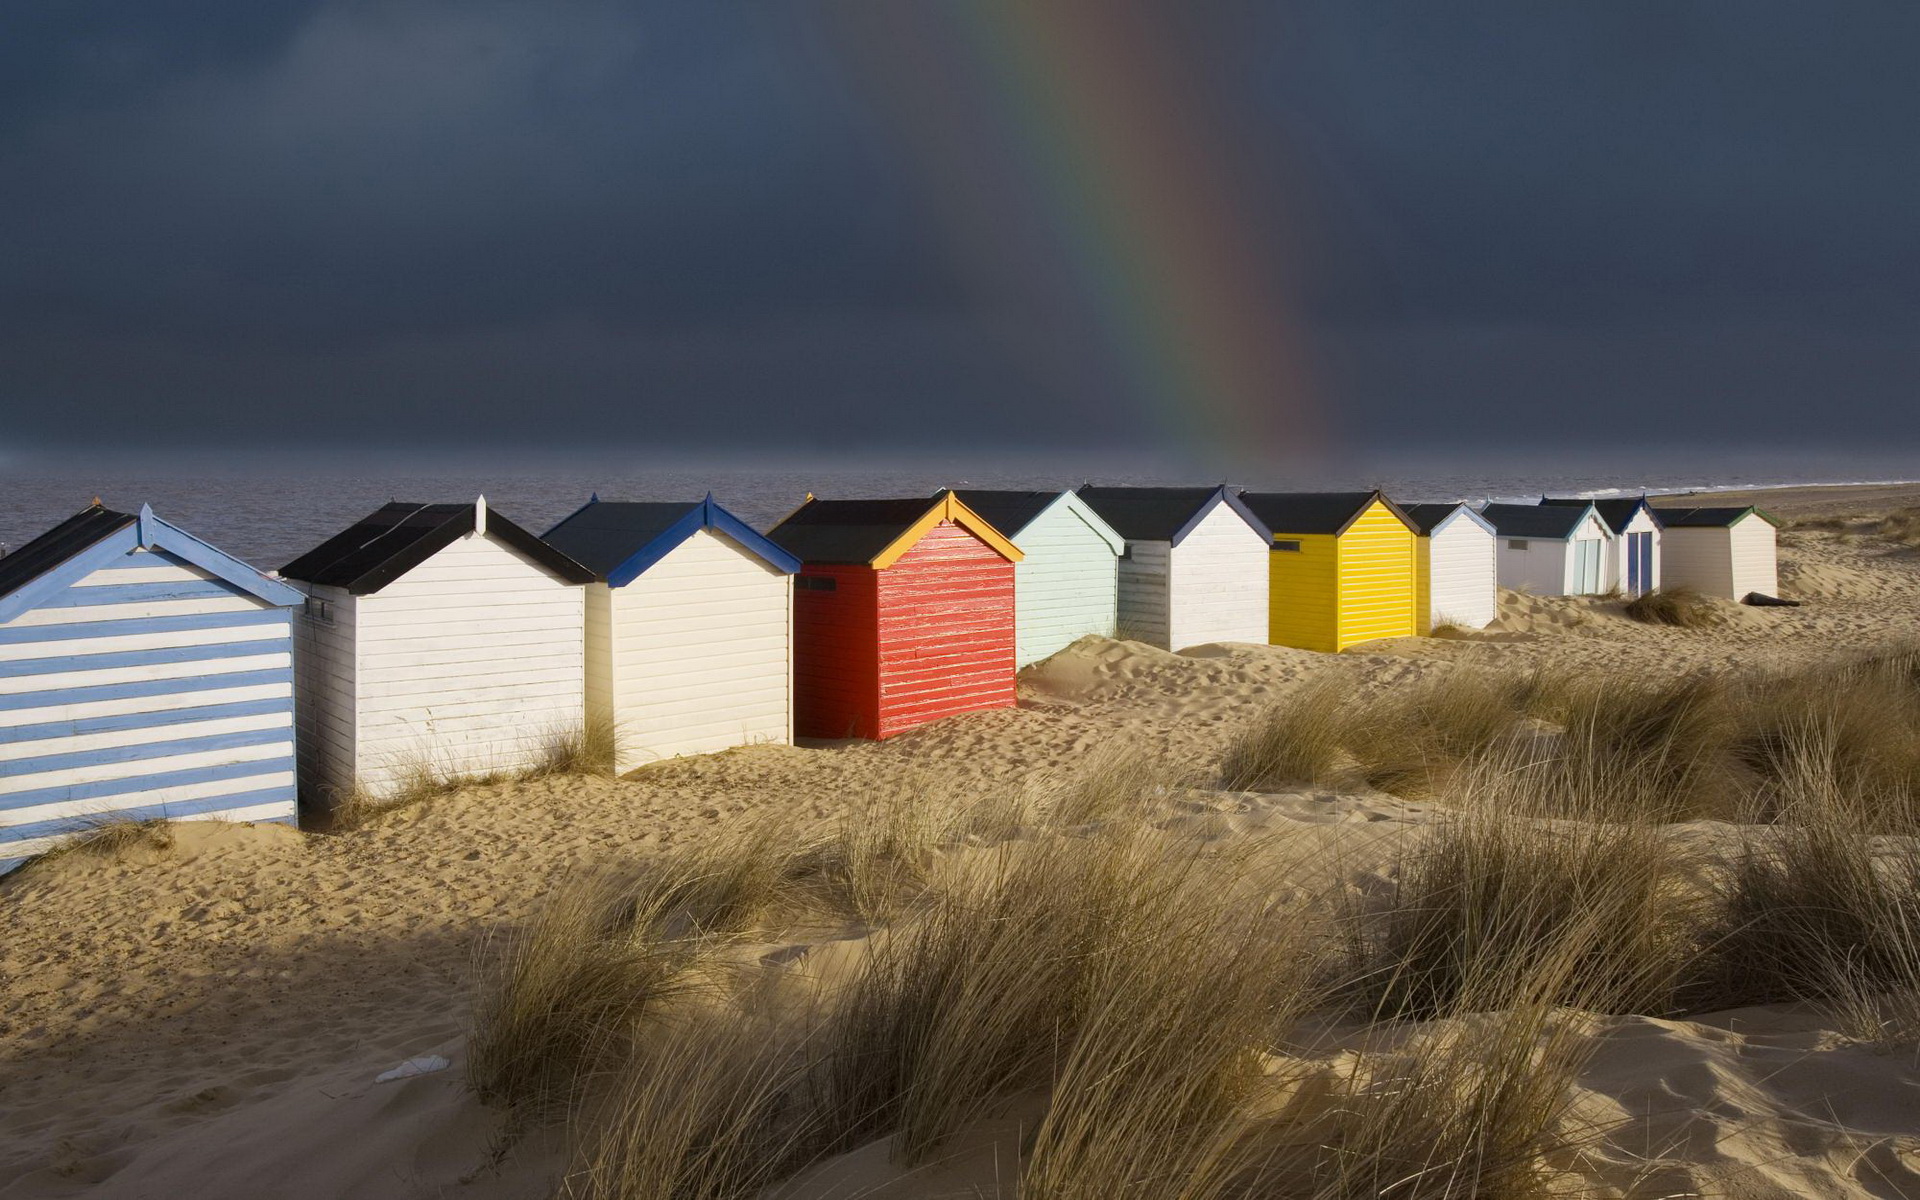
{"x": 208, "y": 1019}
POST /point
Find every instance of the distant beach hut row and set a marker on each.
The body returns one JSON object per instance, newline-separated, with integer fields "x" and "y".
{"x": 144, "y": 673}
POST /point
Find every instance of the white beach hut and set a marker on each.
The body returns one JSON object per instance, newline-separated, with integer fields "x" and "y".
{"x": 689, "y": 627}
{"x": 1728, "y": 552}
{"x": 1550, "y": 549}
{"x": 1195, "y": 566}
{"x": 143, "y": 674}
{"x": 1458, "y": 571}
{"x": 435, "y": 637}
{"x": 1633, "y": 564}
{"x": 1067, "y": 586}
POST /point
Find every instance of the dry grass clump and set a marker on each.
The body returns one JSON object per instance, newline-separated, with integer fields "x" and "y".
{"x": 585, "y": 749}
{"x": 1818, "y": 910}
{"x": 1152, "y": 1096}
{"x": 1112, "y": 780}
{"x": 1901, "y": 526}
{"x": 1680, "y": 607}
{"x": 565, "y": 994}
{"x": 1485, "y": 896}
{"x": 1411, "y": 741}
{"x": 1296, "y": 741}
{"x": 707, "y": 1108}
{"x": 1833, "y": 733}
{"x": 1467, "y": 1109}
{"x": 110, "y": 837}
{"x": 970, "y": 1002}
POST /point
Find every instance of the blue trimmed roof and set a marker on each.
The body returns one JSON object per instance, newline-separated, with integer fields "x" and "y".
{"x": 82, "y": 543}
{"x": 617, "y": 540}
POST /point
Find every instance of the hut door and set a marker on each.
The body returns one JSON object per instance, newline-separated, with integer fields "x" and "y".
{"x": 1639, "y": 563}
{"x": 1589, "y": 567}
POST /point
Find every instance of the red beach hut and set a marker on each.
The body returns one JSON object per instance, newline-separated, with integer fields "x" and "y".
{"x": 903, "y": 613}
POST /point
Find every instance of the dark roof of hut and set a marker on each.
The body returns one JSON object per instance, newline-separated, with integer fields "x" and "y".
{"x": 1313, "y": 512}
{"x": 57, "y": 545}
{"x": 1616, "y": 511}
{"x": 1534, "y": 520}
{"x": 846, "y": 531}
{"x": 1427, "y": 517}
{"x": 619, "y": 539}
{"x": 1705, "y": 518}
{"x": 1007, "y": 511}
{"x": 399, "y": 536}
{"x": 1161, "y": 514}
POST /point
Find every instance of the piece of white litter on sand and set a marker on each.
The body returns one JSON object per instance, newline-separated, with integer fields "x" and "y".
{"x": 426, "y": 1064}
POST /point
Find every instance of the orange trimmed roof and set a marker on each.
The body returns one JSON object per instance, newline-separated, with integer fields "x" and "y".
{"x": 876, "y": 533}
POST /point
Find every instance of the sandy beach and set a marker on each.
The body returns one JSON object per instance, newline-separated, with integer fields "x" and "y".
{"x": 209, "y": 1018}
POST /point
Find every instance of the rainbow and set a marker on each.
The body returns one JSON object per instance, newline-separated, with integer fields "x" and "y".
{"x": 1070, "y": 152}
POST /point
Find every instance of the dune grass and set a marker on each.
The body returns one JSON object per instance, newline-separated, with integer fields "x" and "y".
{"x": 1296, "y": 741}
{"x": 1901, "y": 526}
{"x": 1679, "y": 607}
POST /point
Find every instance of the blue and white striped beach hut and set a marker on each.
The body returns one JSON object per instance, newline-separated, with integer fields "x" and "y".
{"x": 143, "y": 674}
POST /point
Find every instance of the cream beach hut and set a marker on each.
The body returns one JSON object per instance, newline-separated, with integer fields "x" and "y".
{"x": 436, "y": 638}
{"x": 143, "y": 674}
{"x": 1456, "y": 570}
{"x": 689, "y": 627}
{"x": 1550, "y": 549}
{"x": 1633, "y": 566}
{"x": 1728, "y": 552}
{"x": 1067, "y": 587}
{"x": 1195, "y": 566}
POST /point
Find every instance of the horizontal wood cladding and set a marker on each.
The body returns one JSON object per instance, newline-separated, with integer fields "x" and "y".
{"x": 945, "y": 631}
{"x": 836, "y": 654}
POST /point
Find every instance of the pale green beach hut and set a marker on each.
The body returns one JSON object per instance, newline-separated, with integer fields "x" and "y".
{"x": 1068, "y": 585}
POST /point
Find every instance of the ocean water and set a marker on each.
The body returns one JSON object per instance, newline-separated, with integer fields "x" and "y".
{"x": 269, "y": 513}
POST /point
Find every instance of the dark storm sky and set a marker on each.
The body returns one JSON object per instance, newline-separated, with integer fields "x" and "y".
{"x": 556, "y": 222}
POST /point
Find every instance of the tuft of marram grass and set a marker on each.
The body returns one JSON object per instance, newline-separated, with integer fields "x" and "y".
{"x": 1109, "y": 781}
{"x": 1901, "y": 526}
{"x": 976, "y": 998}
{"x": 709, "y": 1106}
{"x": 1151, "y": 1097}
{"x": 109, "y": 837}
{"x": 1487, "y": 892}
{"x": 1298, "y": 740}
{"x": 1819, "y": 909}
{"x": 560, "y": 999}
{"x": 1680, "y": 607}
{"x": 589, "y": 748}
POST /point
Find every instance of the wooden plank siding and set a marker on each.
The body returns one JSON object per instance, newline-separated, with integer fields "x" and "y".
{"x": 1066, "y": 588}
{"x": 699, "y": 653}
{"x": 1376, "y": 572}
{"x": 1458, "y": 576}
{"x": 836, "y": 652}
{"x": 1304, "y": 593}
{"x": 1141, "y": 602}
{"x": 945, "y": 631}
{"x": 1218, "y": 583}
{"x": 146, "y": 688}
{"x": 1728, "y": 562}
{"x": 324, "y": 686}
{"x": 470, "y": 663}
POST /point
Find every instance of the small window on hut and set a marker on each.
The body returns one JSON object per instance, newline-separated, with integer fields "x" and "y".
{"x": 1290, "y": 546}
{"x": 319, "y": 611}
{"x": 816, "y": 583}
{"x": 1516, "y": 543}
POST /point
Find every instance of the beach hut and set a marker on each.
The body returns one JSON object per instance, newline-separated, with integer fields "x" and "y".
{"x": 1195, "y": 565}
{"x": 1456, "y": 571}
{"x": 689, "y": 627}
{"x": 143, "y": 674}
{"x": 1550, "y": 549}
{"x": 1633, "y": 566}
{"x": 1341, "y": 570}
{"x": 437, "y": 639}
{"x": 1726, "y": 552}
{"x": 903, "y": 613}
{"x": 1067, "y": 586}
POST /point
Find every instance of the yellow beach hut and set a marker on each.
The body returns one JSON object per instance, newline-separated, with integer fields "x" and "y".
{"x": 1341, "y": 569}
